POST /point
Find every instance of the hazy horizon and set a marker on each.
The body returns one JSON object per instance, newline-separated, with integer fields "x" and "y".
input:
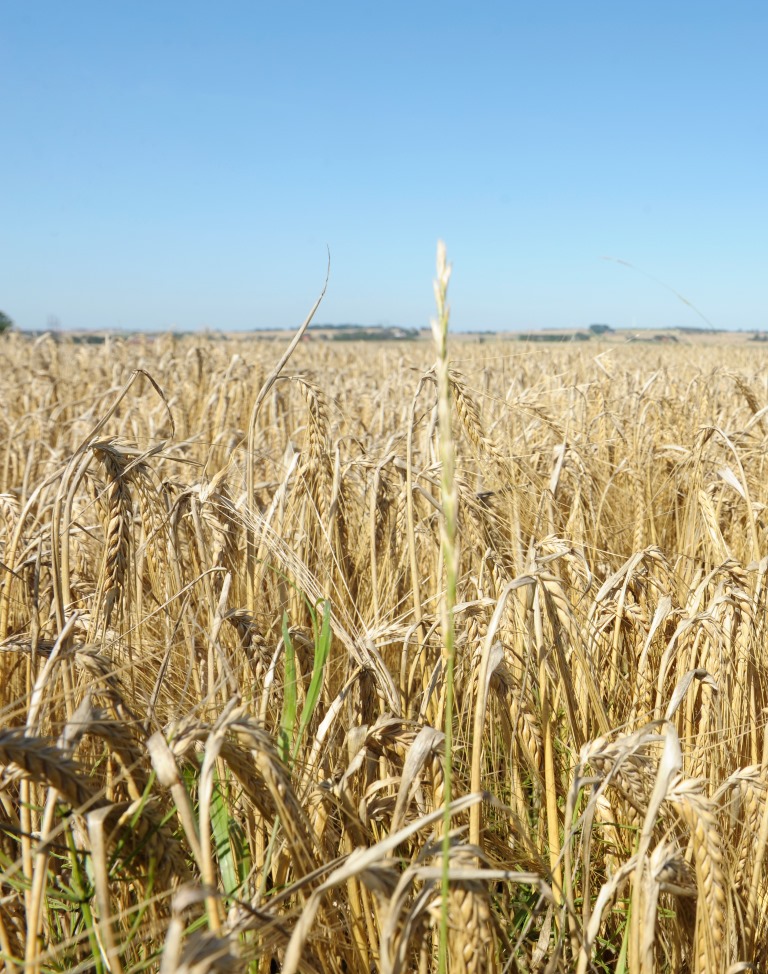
{"x": 421, "y": 330}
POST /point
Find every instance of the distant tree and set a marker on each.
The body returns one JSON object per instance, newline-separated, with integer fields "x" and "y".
{"x": 600, "y": 329}
{"x": 6, "y": 322}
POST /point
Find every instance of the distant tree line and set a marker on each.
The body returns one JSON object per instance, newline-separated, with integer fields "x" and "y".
{"x": 549, "y": 336}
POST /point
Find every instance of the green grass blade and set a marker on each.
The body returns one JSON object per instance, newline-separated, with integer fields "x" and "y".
{"x": 221, "y": 826}
{"x": 288, "y": 718}
{"x": 322, "y": 651}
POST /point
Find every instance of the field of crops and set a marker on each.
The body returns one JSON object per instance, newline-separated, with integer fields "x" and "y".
{"x": 226, "y": 662}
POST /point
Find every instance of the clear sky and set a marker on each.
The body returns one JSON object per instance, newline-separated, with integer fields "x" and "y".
{"x": 185, "y": 164}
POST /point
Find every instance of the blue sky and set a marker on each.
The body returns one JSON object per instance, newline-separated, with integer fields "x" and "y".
{"x": 169, "y": 164}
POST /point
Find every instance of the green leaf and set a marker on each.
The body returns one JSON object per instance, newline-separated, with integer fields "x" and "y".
{"x": 322, "y": 651}
{"x": 221, "y": 825}
{"x": 288, "y": 719}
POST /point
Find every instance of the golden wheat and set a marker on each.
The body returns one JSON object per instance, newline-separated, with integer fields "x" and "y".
{"x": 223, "y": 669}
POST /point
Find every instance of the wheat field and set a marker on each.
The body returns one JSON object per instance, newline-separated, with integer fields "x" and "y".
{"x": 224, "y": 612}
